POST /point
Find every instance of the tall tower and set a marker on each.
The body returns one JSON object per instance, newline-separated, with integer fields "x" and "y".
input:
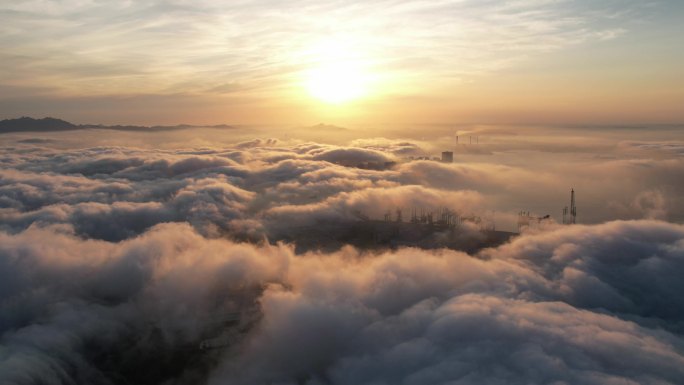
{"x": 573, "y": 208}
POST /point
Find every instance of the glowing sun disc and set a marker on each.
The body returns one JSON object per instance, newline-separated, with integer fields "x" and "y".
{"x": 336, "y": 83}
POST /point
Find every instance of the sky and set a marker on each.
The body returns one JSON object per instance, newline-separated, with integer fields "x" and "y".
{"x": 343, "y": 62}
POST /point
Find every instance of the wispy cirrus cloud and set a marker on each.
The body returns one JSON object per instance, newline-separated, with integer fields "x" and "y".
{"x": 87, "y": 47}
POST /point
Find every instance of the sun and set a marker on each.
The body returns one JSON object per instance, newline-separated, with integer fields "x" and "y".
{"x": 337, "y": 70}
{"x": 336, "y": 83}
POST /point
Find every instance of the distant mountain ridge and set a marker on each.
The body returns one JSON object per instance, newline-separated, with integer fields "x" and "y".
{"x": 26, "y": 124}
{"x": 29, "y": 124}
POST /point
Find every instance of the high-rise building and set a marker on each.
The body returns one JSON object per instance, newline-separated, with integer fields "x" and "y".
{"x": 570, "y": 216}
{"x": 447, "y": 157}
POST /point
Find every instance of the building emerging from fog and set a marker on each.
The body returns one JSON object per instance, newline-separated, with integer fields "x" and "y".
{"x": 570, "y": 216}
{"x": 527, "y": 220}
{"x": 419, "y": 227}
{"x": 447, "y": 157}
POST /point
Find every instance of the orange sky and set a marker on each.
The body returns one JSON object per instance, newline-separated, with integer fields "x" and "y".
{"x": 378, "y": 62}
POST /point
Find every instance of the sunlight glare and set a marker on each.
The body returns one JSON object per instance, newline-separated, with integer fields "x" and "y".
{"x": 337, "y": 74}
{"x": 336, "y": 83}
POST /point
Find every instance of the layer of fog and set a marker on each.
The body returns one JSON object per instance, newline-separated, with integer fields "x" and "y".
{"x": 617, "y": 174}
{"x": 585, "y": 304}
{"x": 120, "y": 253}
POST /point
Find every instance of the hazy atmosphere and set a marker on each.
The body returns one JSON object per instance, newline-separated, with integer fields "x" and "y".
{"x": 208, "y": 62}
{"x": 379, "y": 192}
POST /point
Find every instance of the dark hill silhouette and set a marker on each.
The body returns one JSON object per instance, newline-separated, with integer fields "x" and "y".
{"x": 327, "y": 127}
{"x": 26, "y": 124}
{"x": 29, "y": 124}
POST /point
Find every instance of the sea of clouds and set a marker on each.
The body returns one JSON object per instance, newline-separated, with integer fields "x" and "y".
{"x": 118, "y": 259}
